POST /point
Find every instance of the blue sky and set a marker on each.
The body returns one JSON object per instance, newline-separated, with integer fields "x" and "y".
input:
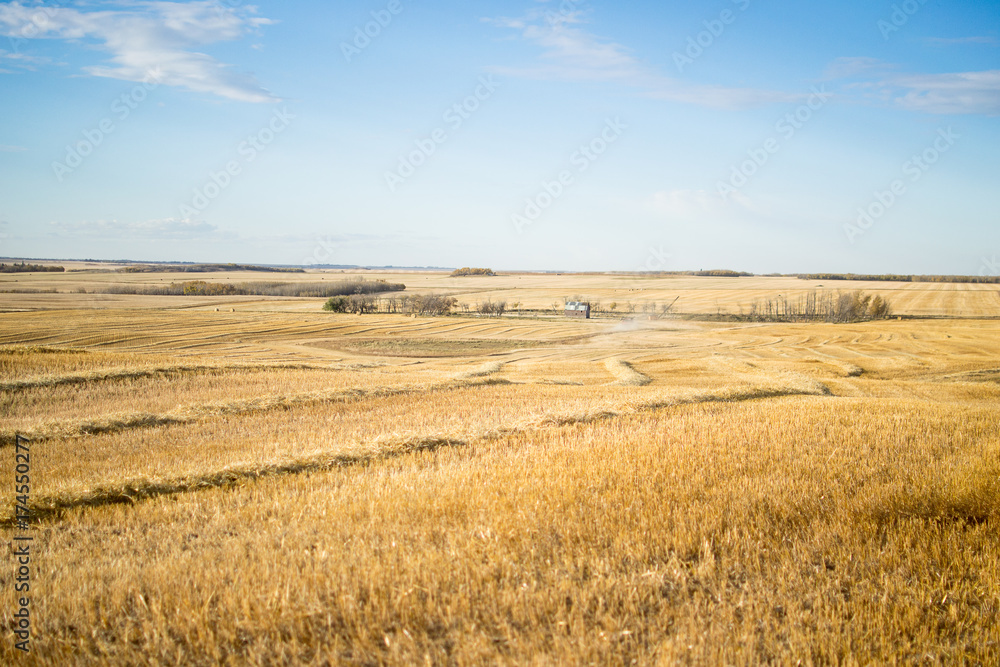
{"x": 782, "y": 136}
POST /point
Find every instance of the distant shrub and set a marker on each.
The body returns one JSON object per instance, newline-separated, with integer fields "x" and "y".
{"x": 355, "y": 303}
{"x": 362, "y": 304}
{"x": 337, "y": 304}
{"x": 493, "y": 308}
{"x": 467, "y": 271}
{"x": 429, "y": 304}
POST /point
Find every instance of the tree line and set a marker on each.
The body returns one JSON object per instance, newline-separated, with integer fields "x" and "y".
{"x": 417, "y": 304}
{"x": 204, "y": 288}
{"x": 30, "y": 268}
{"x": 205, "y": 268}
{"x": 904, "y": 278}
{"x": 826, "y": 307}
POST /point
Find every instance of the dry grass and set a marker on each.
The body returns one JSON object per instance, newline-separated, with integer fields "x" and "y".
{"x": 486, "y": 370}
{"x": 192, "y": 412}
{"x": 756, "y": 494}
{"x": 427, "y": 347}
{"x": 806, "y": 529}
{"x": 136, "y": 373}
{"x": 382, "y": 447}
{"x": 81, "y": 408}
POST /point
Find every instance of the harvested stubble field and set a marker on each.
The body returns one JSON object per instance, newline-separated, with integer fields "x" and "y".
{"x": 291, "y": 487}
{"x": 531, "y": 291}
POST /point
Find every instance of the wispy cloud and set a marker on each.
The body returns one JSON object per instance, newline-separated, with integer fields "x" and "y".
{"x": 151, "y": 36}
{"x": 947, "y": 93}
{"x": 569, "y": 52}
{"x": 11, "y": 149}
{"x": 853, "y": 67}
{"x": 22, "y": 60}
{"x": 958, "y": 93}
{"x": 163, "y": 229}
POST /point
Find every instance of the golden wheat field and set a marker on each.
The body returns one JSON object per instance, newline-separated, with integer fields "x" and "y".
{"x": 249, "y": 480}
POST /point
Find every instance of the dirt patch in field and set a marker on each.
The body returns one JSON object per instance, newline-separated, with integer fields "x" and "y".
{"x": 424, "y": 347}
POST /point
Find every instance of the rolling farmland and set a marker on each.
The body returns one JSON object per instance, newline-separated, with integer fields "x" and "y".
{"x": 538, "y": 291}
{"x": 233, "y": 480}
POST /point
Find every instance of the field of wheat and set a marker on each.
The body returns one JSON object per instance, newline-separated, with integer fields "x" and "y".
{"x": 265, "y": 483}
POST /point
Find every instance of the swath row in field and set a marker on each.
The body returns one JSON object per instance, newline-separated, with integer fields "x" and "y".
{"x": 115, "y": 374}
{"x": 188, "y": 414}
{"x": 983, "y": 375}
{"x": 625, "y": 374}
{"x": 141, "y": 489}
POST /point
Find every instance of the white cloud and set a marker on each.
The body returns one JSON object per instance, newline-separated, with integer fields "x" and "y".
{"x": 958, "y": 93}
{"x": 721, "y": 97}
{"x": 948, "y": 93}
{"x": 164, "y": 229}
{"x": 12, "y": 149}
{"x": 571, "y": 53}
{"x": 146, "y": 37}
